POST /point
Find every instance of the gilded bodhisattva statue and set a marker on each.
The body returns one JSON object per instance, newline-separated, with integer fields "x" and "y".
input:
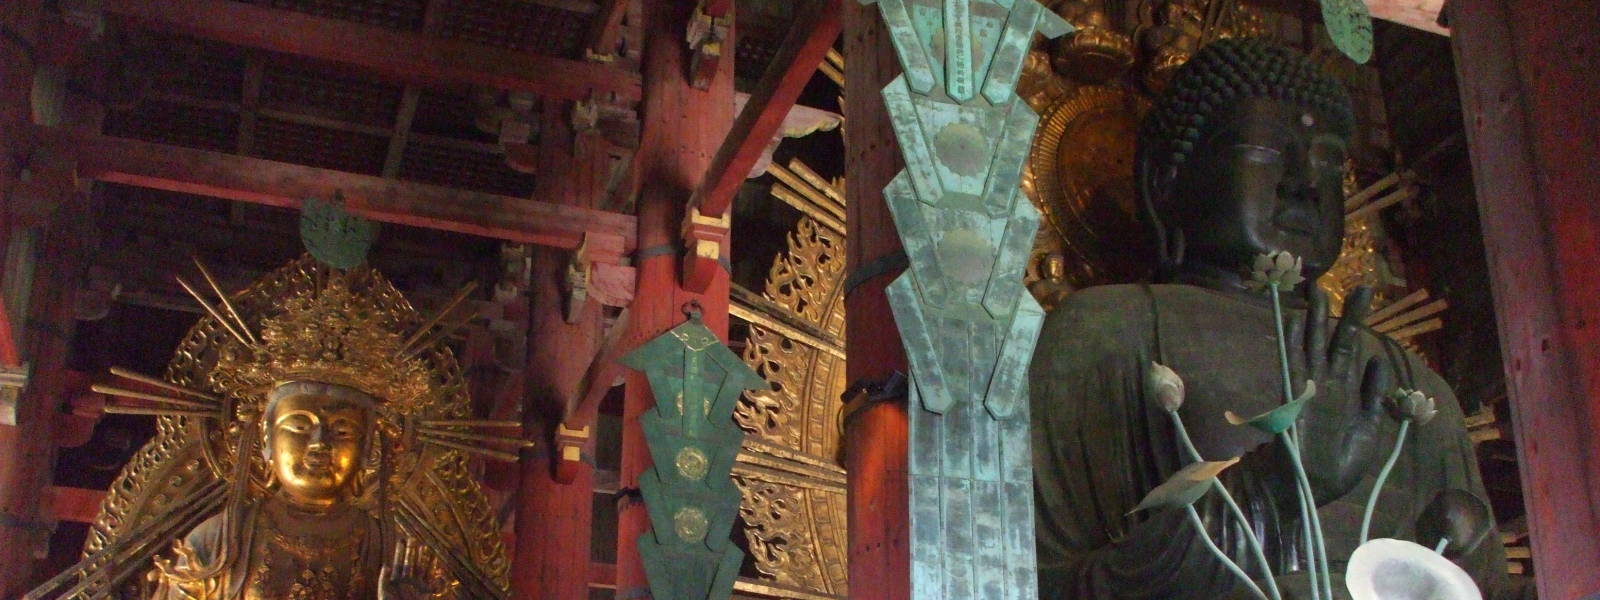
{"x": 311, "y": 443}
{"x": 1241, "y": 157}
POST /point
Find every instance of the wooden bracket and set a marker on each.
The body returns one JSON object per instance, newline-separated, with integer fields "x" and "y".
{"x": 703, "y": 238}
{"x": 709, "y": 29}
{"x": 13, "y": 380}
{"x": 569, "y": 445}
{"x": 576, "y": 283}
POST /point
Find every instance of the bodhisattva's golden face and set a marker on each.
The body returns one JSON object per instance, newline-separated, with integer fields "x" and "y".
{"x": 316, "y": 446}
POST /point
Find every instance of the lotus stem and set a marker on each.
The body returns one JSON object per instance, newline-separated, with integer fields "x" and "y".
{"x": 1200, "y": 529}
{"x": 1283, "y": 347}
{"x": 1308, "y": 541}
{"x": 1311, "y": 509}
{"x": 1319, "y": 558}
{"x": 1383, "y": 475}
{"x": 1233, "y": 508}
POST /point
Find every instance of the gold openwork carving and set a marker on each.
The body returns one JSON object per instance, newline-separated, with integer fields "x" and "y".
{"x": 793, "y": 489}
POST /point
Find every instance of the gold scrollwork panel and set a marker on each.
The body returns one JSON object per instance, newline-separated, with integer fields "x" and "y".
{"x": 793, "y": 490}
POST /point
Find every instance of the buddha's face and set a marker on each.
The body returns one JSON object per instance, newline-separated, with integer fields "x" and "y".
{"x": 316, "y": 444}
{"x": 1266, "y": 176}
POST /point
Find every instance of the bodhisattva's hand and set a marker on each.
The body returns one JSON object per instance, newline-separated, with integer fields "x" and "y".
{"x": 1339, "y": 428}
{"x": 400, "y": 587}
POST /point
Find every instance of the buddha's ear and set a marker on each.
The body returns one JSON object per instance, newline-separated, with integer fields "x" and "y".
{"x": 1153, "y": 180}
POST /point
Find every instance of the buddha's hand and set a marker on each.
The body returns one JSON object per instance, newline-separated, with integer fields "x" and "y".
{"x": 1339, "y": 428}
{"x": 400, "y": 587}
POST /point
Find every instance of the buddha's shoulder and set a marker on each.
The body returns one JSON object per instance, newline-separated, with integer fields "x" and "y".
{"x": 1099, "y": 318}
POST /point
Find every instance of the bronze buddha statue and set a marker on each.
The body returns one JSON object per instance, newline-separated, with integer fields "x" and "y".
{"x": 1242, "y": 156}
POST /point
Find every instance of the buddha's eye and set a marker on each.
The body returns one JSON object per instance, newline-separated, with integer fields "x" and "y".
{"x": 294, "y": 424}
{"x": 1259, "y": 154}
{"x": 344, "y": 429}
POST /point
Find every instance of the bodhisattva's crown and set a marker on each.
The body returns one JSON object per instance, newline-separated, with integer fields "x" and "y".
{"x": 346, "y": 331}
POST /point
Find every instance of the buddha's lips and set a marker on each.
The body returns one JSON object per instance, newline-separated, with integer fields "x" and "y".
{"x": 316, "y": 463}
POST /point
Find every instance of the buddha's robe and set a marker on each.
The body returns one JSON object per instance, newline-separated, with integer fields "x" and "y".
{"x": 1100, "y": 444}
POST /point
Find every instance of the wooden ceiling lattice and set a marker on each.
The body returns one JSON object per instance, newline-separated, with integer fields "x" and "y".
{"x": 177, "y": 124}
{"x": 446, "y": 113}
{"x": 293, "y": 85}
{"x": 434, "y": 162}
{"x": 204, "y": 69}
{"x": 517, "y": 24}
{"x": 394, "y": 14}
{"x": 320, "y": 147}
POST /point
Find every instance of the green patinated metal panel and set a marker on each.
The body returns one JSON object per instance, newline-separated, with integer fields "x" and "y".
{"x": 967, "y": 324}
{"x": 693, "y": 442}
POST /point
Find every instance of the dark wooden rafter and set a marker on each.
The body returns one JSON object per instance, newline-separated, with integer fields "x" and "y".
{"x": 813, "y": 33}
{"x": 260, "y": 181}
{"x": 814, "y": 30}
{"x": 607, "y": 28}
{"x": 404, "y": 56}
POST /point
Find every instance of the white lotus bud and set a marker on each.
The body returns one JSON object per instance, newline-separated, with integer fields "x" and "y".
{"x": 1165, "y": 386}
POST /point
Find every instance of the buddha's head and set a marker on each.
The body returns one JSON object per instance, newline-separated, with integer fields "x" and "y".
{"x": 1244, "y": 155}
{"x": 315, "y": 438}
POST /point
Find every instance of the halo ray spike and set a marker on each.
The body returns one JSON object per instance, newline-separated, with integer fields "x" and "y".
{"x": 226, "y": 304}
{"x": 132, "y": 375}
{"x": 212, "y": 310}
{"x": 406, "y": 347}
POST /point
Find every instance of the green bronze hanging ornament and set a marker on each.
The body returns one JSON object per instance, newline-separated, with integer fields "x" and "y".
{"x": 333, "y": 236}
{"x": 966, "y": 321}
{"x": 693, "y": 442}
{"x": 1349, "y": 23}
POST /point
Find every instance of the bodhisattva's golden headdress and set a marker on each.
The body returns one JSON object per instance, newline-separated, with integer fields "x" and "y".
{"x": 341, "y": 334}
{"x": 304, "y": 322}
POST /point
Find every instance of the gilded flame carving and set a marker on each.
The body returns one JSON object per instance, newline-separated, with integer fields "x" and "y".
{"x": 793, "y": 504}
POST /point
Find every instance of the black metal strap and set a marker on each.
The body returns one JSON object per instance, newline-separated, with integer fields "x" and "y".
{"x": 882, "y": 265}
{"x": 658, "y": 250}
{"x": 896, "y": 387}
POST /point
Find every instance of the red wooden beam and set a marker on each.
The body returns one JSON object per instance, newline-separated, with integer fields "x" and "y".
{"x": 259, "y": 181}
{"x": 1527, "y": 77}
{"x": 404, "y": 56}
{"x": 813, "y": 33}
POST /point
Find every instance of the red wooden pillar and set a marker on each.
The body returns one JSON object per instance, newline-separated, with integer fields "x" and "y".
{"x": 682, "y": 130}
{"x": 553, "y": 518}
{"x": 1530, "y": 75}
{"x": 875, "y": 437}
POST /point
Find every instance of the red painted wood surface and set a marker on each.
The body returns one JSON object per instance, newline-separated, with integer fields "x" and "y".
{"x": 9, "y": 352}
{"x": 1530, "y": 74}
{"x": 810, "y": 36}
{"x": 875, "y": 439}
{"x": 403, "y": 56}
{"x": 553, "y": 517}
{"x": 273, "y": 183}
{"x": 682, "y": 128}
{"x": 76, "y": 505}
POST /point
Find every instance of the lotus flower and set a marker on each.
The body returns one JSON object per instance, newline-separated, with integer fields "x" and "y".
{"x": 1389, "y": 569}
{"x": 1412, "y": 405}
{"x": 1279, "y": 419}
{"x": 1165, "y": 385}
{"x": 1184, "y": 486}
{"x": 1280, "y": 269}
